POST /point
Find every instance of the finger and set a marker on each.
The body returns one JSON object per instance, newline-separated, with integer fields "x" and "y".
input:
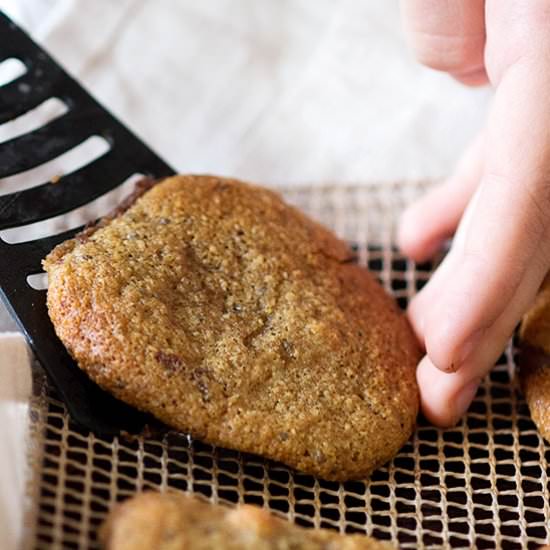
{"x": 446, "y": 397}
{"x": 500, "y": 252}
{"x": 421, "y": 304}
{"x": 428, "y": 222}
{"x": 475, "y": 77}
{"x": 423, "y": 230}
{"x": 447, "y": 36}
{"x": 435, "y": 291}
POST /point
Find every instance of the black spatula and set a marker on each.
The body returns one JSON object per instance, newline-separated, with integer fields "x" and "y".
{"x": 44, "y": 78}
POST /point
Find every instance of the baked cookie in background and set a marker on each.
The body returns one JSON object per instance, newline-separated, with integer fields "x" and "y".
{"x": 176, "y": 521}
{"x": 229, "y": 314}
{"x": 534, "y": 373}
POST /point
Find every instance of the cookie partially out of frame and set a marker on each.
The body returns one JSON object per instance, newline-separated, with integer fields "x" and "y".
{"x": 535, "y": 360}
{"x": 227, "y": 313}
{"x": 175, "y": 521}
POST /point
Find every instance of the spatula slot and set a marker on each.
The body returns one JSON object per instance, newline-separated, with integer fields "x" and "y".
{"x": 81, "y": 155}
{"x": 75, "y": 218}
{"x": 11, "y": 69}
{"x": 51, "y": 141}
{"x": 31, "y": 89}
{"x": 47, "y": 111}
{"x": 38, "y": 281}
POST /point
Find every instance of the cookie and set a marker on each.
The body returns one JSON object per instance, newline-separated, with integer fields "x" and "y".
{"x": 229, "y": 314}
{"x": 534, "y": 374}
{"x": 175, "y": 521}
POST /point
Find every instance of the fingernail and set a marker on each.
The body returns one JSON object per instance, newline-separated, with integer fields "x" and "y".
{"x": 468, "y": 347}
{"x": 464, "y": 397}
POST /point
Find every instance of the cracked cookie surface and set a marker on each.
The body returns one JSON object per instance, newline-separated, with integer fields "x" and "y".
{"x": 227, "y": 313}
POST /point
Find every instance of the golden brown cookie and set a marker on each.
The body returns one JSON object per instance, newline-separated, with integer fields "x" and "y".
{"x": 229, "y": 314}
{"x": 534, "y": 372}
{"x": 175, "y": 521}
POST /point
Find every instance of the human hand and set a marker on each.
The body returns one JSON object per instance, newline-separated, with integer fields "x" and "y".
{"x": 498, "y": 196}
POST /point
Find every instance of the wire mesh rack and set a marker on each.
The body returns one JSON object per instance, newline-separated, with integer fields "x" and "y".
{"x": 482, "y": 484}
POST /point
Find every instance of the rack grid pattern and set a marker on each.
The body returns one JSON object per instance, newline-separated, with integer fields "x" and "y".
{"x": 482, "y": 484}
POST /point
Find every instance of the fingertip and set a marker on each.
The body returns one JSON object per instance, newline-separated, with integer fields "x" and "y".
{"x": 444, "y": 398}
{"x": 433, "y": 395}
{"x": 440, "y": 341}
{"x": 448, "y": 346}
{"x": 474, "y": 77}
{"x": 412, "y": 239}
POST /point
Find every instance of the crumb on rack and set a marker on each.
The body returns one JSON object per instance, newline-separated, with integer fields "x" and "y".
{"x": 147, "y": 432}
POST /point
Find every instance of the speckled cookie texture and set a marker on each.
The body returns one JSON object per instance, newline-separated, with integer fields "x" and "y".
{"x": 535, "y": 359}
{"x": 227, "y": 313}
{"x": 175, "y": 521}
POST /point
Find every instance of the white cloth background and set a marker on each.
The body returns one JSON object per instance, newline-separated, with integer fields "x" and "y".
{"x": 276, "y": 91}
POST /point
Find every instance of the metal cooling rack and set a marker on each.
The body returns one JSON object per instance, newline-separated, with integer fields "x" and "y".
{"x": 482, "y": 484}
